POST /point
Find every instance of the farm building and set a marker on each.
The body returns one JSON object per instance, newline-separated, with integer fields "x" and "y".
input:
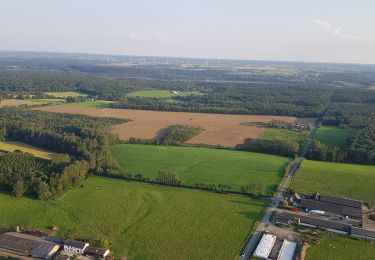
{"x": 342, "y": 206}
{"x": 287, "y": 250}
{"x": 74, "y": 246}
{"x": 27, "y": 245}
{"x": 96, "y": 252}
{"x": 264, "y": 247}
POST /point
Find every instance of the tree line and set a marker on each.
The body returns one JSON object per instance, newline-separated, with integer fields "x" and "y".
{"x": 277, "y": 147}
{"x": 83, "y": 144}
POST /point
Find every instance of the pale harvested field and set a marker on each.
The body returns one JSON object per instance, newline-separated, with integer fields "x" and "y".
{"x": 10, "y": 146}
{"x": 15, "y": 102}
{"x": 223, "y": 130}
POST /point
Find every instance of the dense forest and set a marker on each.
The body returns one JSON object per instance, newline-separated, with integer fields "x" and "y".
{"x": 340, "y": 94}
{"x": 82, "y": 142}
{"x": 278, "y": 147}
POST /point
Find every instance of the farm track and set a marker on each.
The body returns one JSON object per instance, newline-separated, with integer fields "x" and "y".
{"x": 276, "y": 199}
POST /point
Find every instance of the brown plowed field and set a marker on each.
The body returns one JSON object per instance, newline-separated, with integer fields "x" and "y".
{"x": 15, "y": 102}
{"x": 220, "y": 129}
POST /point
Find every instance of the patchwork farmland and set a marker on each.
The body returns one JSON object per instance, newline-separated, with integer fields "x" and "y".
{"x": 143, "y": 221}
{"x": 225, "y": 130}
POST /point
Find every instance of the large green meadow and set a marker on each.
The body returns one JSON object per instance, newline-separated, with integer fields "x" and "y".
{"x": 332, "y": 247}
{"x": 284, "y": 134}
{"x": 334, "y": 136}
{"x": 349, "y": 180}
{"x": 202, "y": 165}
{"x": 143, "y": 221}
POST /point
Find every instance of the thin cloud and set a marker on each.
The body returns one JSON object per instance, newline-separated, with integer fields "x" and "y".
{"x": 141, "y": 36}
{"x": 338, "y": 32}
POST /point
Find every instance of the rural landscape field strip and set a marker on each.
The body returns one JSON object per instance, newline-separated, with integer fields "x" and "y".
{"x": 333, "y": 247}
{"x": 350, "y": 180}
{"x": 226, "y": 130}
{"x": 334, "y": 136}
{"x": 11, "y": 146}
{"x": 143, "y": 221}
{"x": 202, "y": 165}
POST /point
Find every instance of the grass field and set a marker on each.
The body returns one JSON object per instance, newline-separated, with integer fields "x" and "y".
{"x": 284, "y": 134}
{"x": 10, "y": 146}
{"x": 333, "y": 247}
{"x": 65, "y": 94}
{"x": 49, "y": 100}
{"x": 90, "y": 104}
{"x": 143, "y": 221}
{"x": 354, "y": 181}
{"x": 201, "y": 165}
{"x": 334, "y": 136}
{"x": 155, "y": 93}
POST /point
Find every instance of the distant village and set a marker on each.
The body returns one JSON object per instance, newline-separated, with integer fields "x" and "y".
{"x": 26, "y": 245}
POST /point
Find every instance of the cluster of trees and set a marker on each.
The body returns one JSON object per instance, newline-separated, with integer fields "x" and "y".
{"x": 254, "y": 188}
{"x": 179, "y": 134}
{"x": 173, "y": 135}
{"x": 23, "y": 173}
{"x": 279, "y": 124}
{"x": 278, "y": 147}
{"x": 355, "y": 108}
{"x": 361, "y": 150}
{"x": 85, "y": 139}
{"x": 269, "y": 99}
{"x": 168, "y": 177}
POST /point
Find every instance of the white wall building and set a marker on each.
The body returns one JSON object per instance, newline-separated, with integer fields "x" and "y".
{"x": 287, "y": 250}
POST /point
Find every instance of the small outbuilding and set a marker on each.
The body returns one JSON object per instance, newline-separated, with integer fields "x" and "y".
{"x": 96, "y": 251}
{"x": 75, "y": 246}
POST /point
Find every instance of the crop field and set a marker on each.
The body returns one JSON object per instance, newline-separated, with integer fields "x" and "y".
{"x": 155, "y": 93}
{"x": 10, "y": 146}
{"x": 65, "y": 94}
{"x": 143, "y": 221}
{"x": 284, "y": 134}
{"x": 349, "y": 180}
{"x": 90, "y": 104}
{"x": 202, "y": 165}
{"x": 15, "y": 102}
{"x": 225, "y": 130}
{"x": 49, "y": 100}
{"x": 334, "y": 136}
{"x": 332, "y": 247}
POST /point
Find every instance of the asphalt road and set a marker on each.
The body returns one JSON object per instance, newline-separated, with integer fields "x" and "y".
{"x": 277, "y": 198}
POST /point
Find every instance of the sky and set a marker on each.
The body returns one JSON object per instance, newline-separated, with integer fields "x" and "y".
{"x": 289, "y": 30}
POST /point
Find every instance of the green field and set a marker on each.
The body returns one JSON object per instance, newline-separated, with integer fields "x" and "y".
{"x": 65, "y": 94}
{"x": 143, "y": 221}
{"x": 350, "y": 180}
{"x": 202, "y": 165}
{"x": 90, "y": 104}
{"x": 154, "y": 93}
{"x": 284, "y": 134}
{"x": 10, "y": 146}
{"x": 333, "y": 247}
{"x": 49, "y": 100}
{"x": 334, "y": 136}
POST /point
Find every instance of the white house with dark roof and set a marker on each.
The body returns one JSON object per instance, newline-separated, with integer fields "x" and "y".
{"x": 74, "y": 246}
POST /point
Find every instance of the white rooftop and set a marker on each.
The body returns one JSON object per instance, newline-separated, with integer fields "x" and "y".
{"x": 287, "y": 250}
{"x": 265, "y": 246}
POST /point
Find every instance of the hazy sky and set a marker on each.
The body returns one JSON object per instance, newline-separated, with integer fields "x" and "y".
{"x": 314, "y": 30}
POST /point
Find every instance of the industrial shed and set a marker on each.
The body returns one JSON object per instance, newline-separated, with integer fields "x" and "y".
{"x": 26, "y": 245}
{"x": 287, "y": 250}
{"x": 264, "y": 247}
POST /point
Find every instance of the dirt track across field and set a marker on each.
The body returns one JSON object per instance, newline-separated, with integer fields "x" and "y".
{"x": 226, "y": 130}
